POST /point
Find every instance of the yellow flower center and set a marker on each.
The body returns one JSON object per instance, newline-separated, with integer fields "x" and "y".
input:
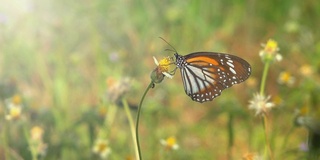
{"x": 306, "y": 70}
{"x": 16, "y": 100}
{"x": 171, "y": 141}
{"x": 271, "y": 46}
{"x": 36, "y": 133}
{"x": 164, "y": 64}
{"x": 285, "y": 77}
{"x": 15, "y": 112}
{"x": 102, "y": 147}
{"x": 304, "y": 110}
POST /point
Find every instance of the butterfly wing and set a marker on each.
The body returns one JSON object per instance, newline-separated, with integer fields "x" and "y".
{"x": 206, "y": 74}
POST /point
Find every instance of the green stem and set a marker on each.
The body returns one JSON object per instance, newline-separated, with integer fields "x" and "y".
{"x": 264, "y": 77}
{"x": 4, "y": 138}
{"x": 131, "y": 124}
{"x": 265, "y": 116}
{"x": 231, "y": 135}
{"x": 266, "y": 131}
{"x": 138, "y": 117}
{"x": 32, "y": 147}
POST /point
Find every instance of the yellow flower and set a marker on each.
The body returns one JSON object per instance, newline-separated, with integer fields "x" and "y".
{"x": 36, "y": 133}
{"x": 161, "y": 70}
{"x": 16, "y": 99}
{"x": 306, "y": 70}
{"x": 36, "y": 141}
{"x": 14, "y": 108}
{"x": 260, "y": 104}
{"x": 286, "y": 78}
{"x": 163, "y": 64}
{"x": 170, "y": 143}
{"x": 270, "y": 51}
{"x": 102, "y": 148}
{"x": 271, "y": 46}
{"x": 302, "y": 111}
{"x": 14, "y": 112}
{"x": 251, "y": 156}
{"x": 277, "y": 100}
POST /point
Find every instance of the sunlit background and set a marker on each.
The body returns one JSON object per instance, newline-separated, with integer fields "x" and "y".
{"x": 68, "y": 68}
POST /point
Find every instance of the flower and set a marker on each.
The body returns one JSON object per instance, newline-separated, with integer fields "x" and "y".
{"x": 16, "y": 99}
{"x": 271, "y": 46}
{"x": 270, "y": 51}
{"x": 306, "y": 70}
{"x": 102, "y": 148}
{"x": 161, "y": 70}
{"x": 277, "y": 100}
{"x": 117, "y": 89}
{"x": 286, "y": 78}
{"x": 14, "y": 113}
{"x": 36, "y": 133}
{"x": 170, "y": 143}
{"x": 14, "y": 108}
{"x": 36, "y": 141}
{"x": 251, "y": 156}
{"x": 260, "y": 104}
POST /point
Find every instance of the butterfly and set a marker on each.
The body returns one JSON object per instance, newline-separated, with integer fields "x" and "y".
{"x": 206, "y": 74}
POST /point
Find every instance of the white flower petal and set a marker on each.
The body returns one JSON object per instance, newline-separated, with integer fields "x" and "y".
{"x": 167, "y": 75}
{"x": 155, "y": 61}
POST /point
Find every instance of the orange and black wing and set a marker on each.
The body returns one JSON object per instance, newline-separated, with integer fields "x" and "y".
{"x": 206, "y": 74}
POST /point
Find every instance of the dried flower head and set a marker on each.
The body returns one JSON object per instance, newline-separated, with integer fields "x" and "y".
{"x": 117, "y": 88}
{"x": 260, "y": 104}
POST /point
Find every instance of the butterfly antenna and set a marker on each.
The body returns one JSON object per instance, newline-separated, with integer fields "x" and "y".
{"x": 174, "y": 50}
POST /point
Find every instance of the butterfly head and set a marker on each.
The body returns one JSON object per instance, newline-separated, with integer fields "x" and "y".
{"x": 180, "y": 60}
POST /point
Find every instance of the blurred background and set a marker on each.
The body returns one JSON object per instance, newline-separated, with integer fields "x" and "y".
{"x": 67, "y": 69}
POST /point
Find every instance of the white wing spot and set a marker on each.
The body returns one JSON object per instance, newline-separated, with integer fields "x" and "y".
{"x": 232, "y": 70}
{"x": 230, "y": 64}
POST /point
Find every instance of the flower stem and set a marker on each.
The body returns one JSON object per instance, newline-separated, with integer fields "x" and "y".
{"x": 265, "y": 116}
{"x": 138, "y": 117}
{"x": 230, "y": 135}
{"x": 264, "y": 77}
{"x": 266, "y": 131}
{"x": 131, "y": 124}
